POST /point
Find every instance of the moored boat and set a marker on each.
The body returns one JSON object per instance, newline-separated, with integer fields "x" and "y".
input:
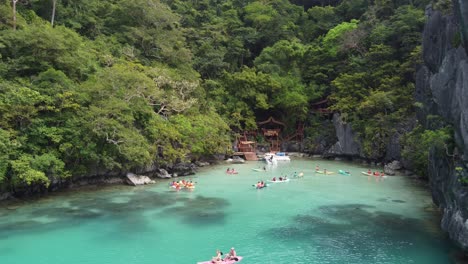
{"x": 278, "y": 156}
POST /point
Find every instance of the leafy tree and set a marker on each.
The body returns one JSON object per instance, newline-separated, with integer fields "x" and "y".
{"x": 283, "y": 58}
{"x": 334, "y": 37}
{"x": 418, "y": 143}
{"x": 7, "y": 148}
{"x": 36, "y": 48}
{"x": 320, "y": 20}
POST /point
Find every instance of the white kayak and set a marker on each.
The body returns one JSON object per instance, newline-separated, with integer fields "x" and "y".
{"x": 278, "y": 181}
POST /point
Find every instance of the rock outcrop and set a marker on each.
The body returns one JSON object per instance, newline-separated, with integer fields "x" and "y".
{"x": 442, "y": 89}
{"x": 135, "y": 180}
{"x": 392, "y": 167}
{"x": 347, "y": 143}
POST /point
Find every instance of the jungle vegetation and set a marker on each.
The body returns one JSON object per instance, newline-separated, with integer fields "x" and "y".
{"x": 122, "y": 84}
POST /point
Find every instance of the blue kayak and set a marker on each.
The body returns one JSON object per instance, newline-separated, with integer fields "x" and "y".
{"x": 344, "y": 172}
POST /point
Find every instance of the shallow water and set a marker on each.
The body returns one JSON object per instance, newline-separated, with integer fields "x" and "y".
{"x": 314, "y": 219}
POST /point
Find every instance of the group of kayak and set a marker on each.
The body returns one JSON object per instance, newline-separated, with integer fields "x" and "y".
{"x": 326, "y": 172}
{"x": 182, "y": 184}
{"x": 262, "y": 184}
{"x": 375, "y": 173}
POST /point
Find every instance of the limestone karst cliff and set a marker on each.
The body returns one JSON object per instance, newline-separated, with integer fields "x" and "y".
{"x": 442, "y": 90}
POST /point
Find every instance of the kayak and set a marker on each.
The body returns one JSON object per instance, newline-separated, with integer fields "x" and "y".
{"x": 344, "y": 172}
{"x": 278, "y": 181}
{"x": 365, "y": 173}
{"x": 258, "y": 169}
{"x": 322, "y": 172}
{"x": 264, "y": 186}
{"x": 231, "y": 261}
{"x": 232, "y": 172}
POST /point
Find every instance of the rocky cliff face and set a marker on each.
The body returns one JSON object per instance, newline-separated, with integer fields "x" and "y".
{"x": 442, "y": 88}
{"x": 347, "y": 143}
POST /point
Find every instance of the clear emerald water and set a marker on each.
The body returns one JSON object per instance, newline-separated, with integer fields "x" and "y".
{"x": 315, "y": 219}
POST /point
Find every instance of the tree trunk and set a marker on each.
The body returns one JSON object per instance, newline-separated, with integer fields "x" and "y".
{"x": 14, "y": 14}
{"x": 54, "y": 3}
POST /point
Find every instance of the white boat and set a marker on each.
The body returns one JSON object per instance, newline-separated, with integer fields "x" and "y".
{"x": 278, "y": 156}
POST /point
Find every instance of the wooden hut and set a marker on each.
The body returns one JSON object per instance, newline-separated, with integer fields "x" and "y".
{"x": 271, "y": 130}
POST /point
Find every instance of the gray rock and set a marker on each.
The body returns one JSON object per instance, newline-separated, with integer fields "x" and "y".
{"x": 5, "y": 196}
{"x": 202, "y": 164}
{"x": 184, "y": 169}
{"x": 348, "y": 143}
{"x": 163, "y": 174}
{"x": 133, "y": 179}
{"x": 392, "y": 167}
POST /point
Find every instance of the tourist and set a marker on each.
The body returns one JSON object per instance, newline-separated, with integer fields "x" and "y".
{"x": 295, "y": 174}
{"x": 217, "y": 258}
{"x": 280, "y": 178}
{"x": 317, "y": 168}
{"x": 228, "y": 170}
{"x": 274, "y": 179}
{"x": 232, "y": 255}
{"x": 369, "y": 172}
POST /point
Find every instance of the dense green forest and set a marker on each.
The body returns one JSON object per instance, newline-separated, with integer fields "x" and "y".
{"x": 122, "y": 84}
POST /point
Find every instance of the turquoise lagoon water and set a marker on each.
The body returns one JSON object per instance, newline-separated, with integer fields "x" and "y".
{"x": 315, "y": 219}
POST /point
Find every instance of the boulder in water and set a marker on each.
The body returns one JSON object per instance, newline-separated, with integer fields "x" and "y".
{"x": 135, "y": 180}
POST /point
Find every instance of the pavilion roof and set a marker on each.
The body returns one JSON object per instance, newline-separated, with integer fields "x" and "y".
{"x": 271, "y": 120}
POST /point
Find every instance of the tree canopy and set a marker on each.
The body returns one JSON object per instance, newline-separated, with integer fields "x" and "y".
{"x": 121, "y": 84}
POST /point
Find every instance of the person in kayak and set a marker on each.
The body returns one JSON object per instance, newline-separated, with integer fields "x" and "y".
{"x": 232, "y": 255}
{"x": 217, "y": 258}
{"x": 274, "y": 179}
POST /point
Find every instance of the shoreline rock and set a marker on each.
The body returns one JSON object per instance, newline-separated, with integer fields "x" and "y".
{"x": 136, "y": 180}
